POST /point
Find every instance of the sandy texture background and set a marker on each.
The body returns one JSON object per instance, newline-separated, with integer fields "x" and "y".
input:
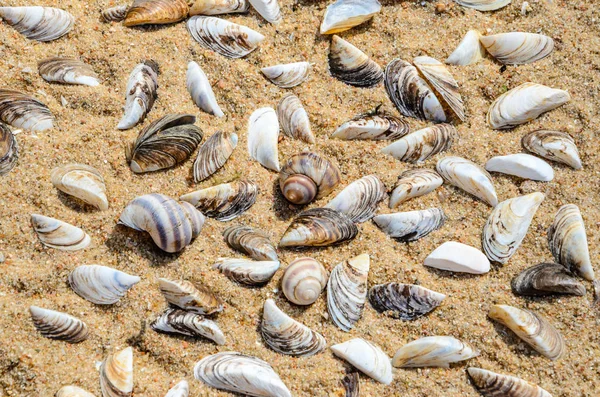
{"x": 85, "y": 132}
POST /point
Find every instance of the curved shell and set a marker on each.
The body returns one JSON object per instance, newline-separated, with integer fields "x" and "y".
{"x": 352, "y": 66}
{"x": 247, "y": 272}
{"x": 73, "y": 391}
{"x": 553, "y": 145}
{"x": 268, "y": 9}
{"x": 359, "y": 200}
{"x": 200, "y": 90}
{"x": 68, "y": 71}
{"x": 414, "y": 183}
{"x": 263, "y": 136}
{"x": 101, "y": 285}
{"x": 287, "y": 75}
{"x": 507, "y": 226}
{"x": 351, "y": 385}
{"x": 140, "y": 94}
{"x": 433, "y": 351}
{"x": 143, "y": 12}
{"x": 57, "y": 325}
{"x": 116, "y": 374}
{"x": 172, "y": 224}
{"x": 187, "y": 296}
{"x": 213, "y": 154}
{"x": 366, "y": 357}
{"x": 58, "y": 234}
{"x": 546, "y": 279}
{"x": 468, "y": 51}
{"x": 303, "y": 281}
{"x": 318, "y": 227}
{"x": 531, "y": 328}
{"x": 468, "y": 176}
{"x": 422, "y": 144}
{"x": 181, "y": 322}
{"x": 491, "y": 384}
{"x": 115, "y": 14}
{"x": 411, "y": 225}
{"x": 404, "y": 301}
{"x": 226, "y": 38}
{"x": 181, "y": 389}
{"x": 38, "y": 23}
{"x": 306, "y": 177}
{"x": 224, "y": 202}
{"x": 218, "y": 7}
{"x": 517, "y": 48}
{"x": 457, "y": 257}
{"x": 347, "y": 291}
{"x": 345, "y": 14}
{"x": 23, "y": 111}
{"x": 240, "y": 373}
{"x": 82, "y": 182}
{"x": 251, "y": 241}
{"x": 293, "y": 119}
{"x": 375, "y": 127}
{"x": 484, "y": 5}
{"x": 521, "y": 165}
{"x": 9, "y": 150}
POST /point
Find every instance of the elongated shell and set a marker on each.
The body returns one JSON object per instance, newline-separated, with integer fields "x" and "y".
{"x": 240, "y": 373}
{"x": 303, "y": 281}
{"x": 115, "y": 14}
{"x": 116, "y": 374}
{"x": 444, "y": 83}
{"x": 457, "y": 257}
{"x": 287, "y": 75}
{"x": 213, "y": 154}
{"x": 318, "y": 227}
{"x": 522, "y": 165}
{"x": 57, "y": 325}
{"x": 375, "y": 127}
{"x": 366, "y": 357}
{"x": 250, "y": 241}
{"x": 140, "y": 94}
{"x": 263, "y": 136}
{"x": 38, "y": 23}
{"x": 507, "y": 226}
{"x": 414, "y": 183}
{"x": 181, "y": 389}
{"x": 534, "y": 330}
{"x": 199, "y": 88}
{"x": 433, "y": 351}
{"x": 217, "y": 7}
{"x": 268, "y": 9}
{"x": 524, "y": 103}
{"x": 553, "y": 145}
{"x": 491, "y": 384}
{"x": 469, "y": 50}
{"x": 345, "y": 14}
{"x": 293, "y": 119}
{"x": 517, "y": 48}
{"x": 58, "y": 234}
{"x": 82, "y": 182}
{"x": 359, "y": 200}
{"x": 144, "y": 12}
{"x": 306, "y": 177}
{"x": 422, "y": 144}
{"x": 101, "y": 285}
{"x": 176, "y": 321}
{"x": 484, "y": 5}
{"x": 23, "y": 111}
{"x": 347, "y": 291}
{"x": 73, "y": 391}
{"x": 9, "y": 150}
{"x": 187, "y": 296}
{"x": 224, "y": 202}
{"x": 546, "y": 279}
{"x": 352, "y": 66}
{"x": 404, "y": 301}
{"x": 68, "y": 71}
{"x": 172, "y": 224}
{"x": 468, "y": 176}
{"x": 411, "y": 225}
{"x": 226, "y": 38}
{"x": 247, "y": 272}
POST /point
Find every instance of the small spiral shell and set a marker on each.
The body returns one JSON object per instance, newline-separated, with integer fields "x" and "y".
{"x": 303, "y": 281}
{"x": 116, "y": 374}
{"x": 187, "y": 296}
{"x": 250, "y": 241}
{"x": 306, "y": 177}
{"x": 57, "y": 325}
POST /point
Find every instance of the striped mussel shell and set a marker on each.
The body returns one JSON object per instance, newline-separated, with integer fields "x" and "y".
{"x": 420, "y": 145}
{"x": 347, "y": 291}
{"x": 359, "y": 200}
{"x": 250, "y": 241}
{"x": 507, "y": 226}
{"x": 140, "y": 94}
{"x": 57, "y": 325}
{"x": 116, "y": 374}
{"x": 288, "y": 336}
{"x": 263, "y": 137}
{"x": 38, "y": 23}
{"x": 414, "y": 183}
{"x": 351, "y": 384}
{"x": 101, "y": 285}
{"x": 144, "y": 12}
{"x": 223, "y": 37}
{"x": 268, "y": 9}
{"x": 224, "y": 202}
{"x": 345, "y": 14}
{"x": 181, "y": 389}
{"x": 67, "y": 71}
{"x": 468, "y": 176}
{"x": 181, "y": 322}
{"x": 115, "y": 14}
{"x": 213, "y": 154}
{"x": 484, "y": 5}
{"x": 491, "y": 384}
{"x": 411, "y": 225}
{"x": 172, "y": 224}
{"x": 433, "y": 351}
{"x": 23, "y": 111}
{"x": 59, "y": 235}
{"x": 375, "y": 127}
{"x": 303, "y": 281}
{"x": 518, "y": 48}
{"x": 218, "y": 7}
{"x": 247, "y": 271}
{"x": 318, "y": 227}
{"x": 293, "y": 119}
{"x": 164, "y": 143}
{"x": 9, "y": 150}
{"x": 352, "y": 66}
{"x": 546, "y": 279}
{"x": 306, "y": 177}
{"x": 366, "y": 357}
{"x": 469, "y": 50}
{"x": 553, "y": 145}
{"x": 200, "y": 90}
{"x": 568, "y": 241}
{"x": 190, "y": 297}
{"x": 73, "y": 391}
{"x": 287, "y": 75}
{"x": 83, "y": 182}
{"x": 533, "y": 329}
{"x": 404, "y": 301}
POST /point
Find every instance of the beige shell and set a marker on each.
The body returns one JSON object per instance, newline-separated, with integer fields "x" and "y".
{"x": 9, "y": 150}
{"x": 372, "y": 127}
{"x": 38, "y": 23}
{"x": 145, "y": 12}
{"x": 318, "y": 227}
{"x": 345, "y": 14}
{"x": 414, "y": 183}
{"x": 352, "y": 66}
{"x": 366, "y": 357}
{"x": 217, "y": 7}
{"x": 23, "y": 111}
{"x": 468, "y": 176}
{"x": 491, "y": 384}
{"x": 82, "y": 182}
{"x": 224, "y": 202}
{"x": 293, "y": 119}
{"x": 268, "y": 9}
{"x": 115, "y": 14}
{"x": 263, "y": 137}
{"x": 423, "y": 144}
{"x": 68, "y": 71}
{"x": 517, "y": 48}
{"x": 287, "y": 75}
{"x": 468, "y": 51}
{"x": 433, "y": 351}
{"x": 306, "y": 177}
{"x": 484, "y": 5}
{"x": 187, "y": 296}
{"x": 359, "y": 200}
{"x": 303, "y": 281}
{"x": 250, "y": 241}
{"x": 57, "y": 325}
{"x": 213, "y": 154}
{"x": 58, "y": 234}
{"x": 226, "y": 38}
{"x": 246, "y": 271}
{"x": 553, "y": 145}
{"x": 73, "y": 391}
{"x": 140, "y": 93}
{"x": 116, "y": 374}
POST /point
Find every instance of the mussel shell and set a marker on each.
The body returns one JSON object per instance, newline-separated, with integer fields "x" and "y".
{"x": 73, "y": 391}
{"x": 293, "y": 119}
{"x": 468, "y": 51}
{"x": 491, "y": 384}
{"x": 101, "y": 285}
{"x": 546, "y": 279}
{"x": 82, "y": 182}
{"x": 187, "y": 296}
{"x": 268, "y": 9}
{"x": 200, "y": 90}
{"x": 553, "y": 145}
{"x": 521, "y": 165}
{"x": 181, "y": 322}
{"x": 263, "y": 137}
{"x": 345, "y": 14}
{"x": 517, "y": 48}
{"x": 23, "y": 111}
{"x": 372, "y": 126}
{"x": 38, "y": 23}
{"x": 144, "y": 12}
{"x": 318, "y": 227}
{"x": 359, "y": 200}
{"x": 9, "y": 150}
{"x": 250, "y": 241}
{"x": 226, "y": 38}
{"x": 352, "y": 66}
{"x": 306, "y": 177}
{"x": 469, "y": 177}
{"x": 217, "y": 7}
{"x": 287, "y": 75}
{"x": 414, "y": 183}
{"x": 181, "y": 389}
{"x": 484, "y": 5}
{"x": 453, "y": 256}
{"x": 303, "y": 281}
{"x": 213, "y": 154}
{"x": 404, "y": 301}
{"x": 411, "y": 225}
{"x": 422, "y": 144}
{"x": 59, "y": 235}
{"x": 115, "y": 14}
{"x": 433, "y": 351}
{"x": 57, "y": 325}
{"x": 68, "y": 71}
{"x": 116, "y": 374}
{"x": 141, "y": 91}
{"x": 366, "y": 357}
{"x": 224, "y": 202}
{"x": 247, "y": 272}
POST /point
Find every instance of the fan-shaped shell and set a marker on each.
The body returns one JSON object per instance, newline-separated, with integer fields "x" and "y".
{"x": 352, "y": 66}
{"x": 469, "y": 50}
{"x": 263, "y": 136}
{"x": 9, "y": 150}
{"x": 411, "y": 225}
{"x": 359, "y": 200}
{"x": 176, "y": 321}
{"x": 250, "y": 241}
{"x": 293, "y": 119}
{"x": 422, "y": 144}
{"x": 181, "y": 389}
{"x": 57, "y": 325}
{"x": 491, "y": 384}
{"x": 247, "y": 272}
{"x": 226, "y": 38}
{"x": 101, "y": 285}
{"x": 404, "y": 301}
{"x": 268, "y": 9}
{"x": 484, "y": 5}
{"x": 433, "y": 351}
{"x": 140, "y": 94}
{"x": 414, "y": 183}
{"x": 23, "y": 111}
{"x": 217, "y": 7}
{"x": 187, "y": 296}
{"x": 287, "y": 75}
{"x": 38, "y": 23}
{"x": 143, "y": 12}
{"x": 366, "y": 357}
{"x": 468, "y": 176}
{"x": 553, "y": 145}
{"x": 68, "y": 71}
{"x": 82, "y": 182}
{"x": 58, "y": 234}
{"x": 73, "y": 391}
{"x": 115, "y": 14}
{"x": 522, "y": 165}
{"x": 375, "y": 127}
{"x": 517, "y": 48}
{"x": 199, "y": 88}
{"x": 306, "y": 177}
{"x": 116, "y": 374}
{"x": 457, "y": 257}
{"x": 303, "y": 281}
{"x": 546, "y": 279}
{"x": 224, "y": 202}
{"x": 345, "y": 14}
{"x": 318, "y": 227}
{"x": 213, "y": 154}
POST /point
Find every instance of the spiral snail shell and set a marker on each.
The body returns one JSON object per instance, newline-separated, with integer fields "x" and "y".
{"x": 307, "y": 177}
{"x": 303, "y": 281}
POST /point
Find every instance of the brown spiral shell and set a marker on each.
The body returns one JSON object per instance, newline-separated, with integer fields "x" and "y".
{"x": 306, "y": 177}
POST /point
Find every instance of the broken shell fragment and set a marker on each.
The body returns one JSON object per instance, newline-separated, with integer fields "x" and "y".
{"x": 247, "y": 272}
{"x": 518, "y": 48}
{"x": 374, "y": 127}
{"x": 199, "y": 88}
{"x": 176, "y": 321}
{"x": 294, "y": 120}
{"x": 223, "y": 37}
{"x": 82, "y": 182}
{"x": 457, "y": 257}
{"x": 287, "y": 75}
{"x": 23, "y": 111}
{"x": 469, "y": 50}
{"x": 359, "y": 200}
{"x": 58, "y": 234}
{"x": 268, "y": 9}
{"x": 68, "y": 71}
{"x": 468, "y": 176}
{"x": 306, "y": 177}
{"x": 303, "y": 281}
{"x": 433, "y": 351}
{"x": 9, "y": 150}
{"x": 115, "y": 14}
{"x": 411, "y": 225}
{"x": 422, "y": 144}
{"x": 217, "y": 7}
{"x": 491, "y": 384}
{"x": 318, "y": 227}
{"x": 414, "y": 183}
{"x": 213, "y": 154}
{"x": 351, "y": 384}
{"x": 263, "y": 137}
{"x": 366, "y": 357}
{"x": 521, "y": 165}
{"x": 192, "y": 298}
{"x": 144, "y": 12}
{"x": 553, "y": 145}
{"x": 224, "y": 202}
{"x": 140, "y": 94}
{"x": 182, "y": 389}
{"x": 57, "y": 325}
{"x": 116, "y": 374}
{"x": 38, "y": 23}
{"x": 346, "y": 14}
{"x": 251, "y": 241}
{"x": 73, "y": 391}
{"x": 546, "y": 279}
{"x": 484, "y": 5}
{"x": 101, "y": 285}
{"x": 404, "y": 301}
{"x": 352, "y": 66}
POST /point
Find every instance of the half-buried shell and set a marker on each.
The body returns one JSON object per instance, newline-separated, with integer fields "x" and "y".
{"x": 82, "y": 182}
{"x": 213, "y": 154}
{"x": 263, "y": 137}
{"x": 411, "y": 225}
{"x": 352, "y": 66}
{"x": 200, "y": 90}
{"x": 318, "y": 227}
{"x": 57, "y": 325}
{"x": 491, "y": 384}
{"x": 140, "y": 94}
{"x": 73, "y": 391}
{"x": 468, "y": 176}
{"x": 58, "y": 234}
{"x": 287, "y": 75}
{"x": 9, "y": 150}
{"x": 345, "y": 14}
{"x": 250, "y": 241}
{"x": 484, "y": 5}
{"x": 366, "y": 357}
{"x": 101, "y": 285}
{"x": 116, "y": 374}
{"x": 226, "y": 38}
{"x": 546, "y": 279}
{"x": 38, "y": 23}
{"x": 372, "y": 127}
{"x": 293, "y": 119}
{"x": 224, "y": 202}
{"x": 433, "y": 351}
{"x": 144, "y": 12}
{"x": 67, "y": 71}
{"x": 414, "y": 183}
{"x": 247, "y": 272}
{"x": 359, "y": 200}
{"x": 192, "y": 298}
{"x": 306, "y": 177}
{"x": 181, "y": 389}
{"x": 469, "y": 50}
{"x": 517, "y": 48}
{"x": 23, "y": 111}
{"x": 422, "y": 144}
{"x": 181, "y": 322}
{"x": 404, "y": 301}
{"x": 553, "y": 145}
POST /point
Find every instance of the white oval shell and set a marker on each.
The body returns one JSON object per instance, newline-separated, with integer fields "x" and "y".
{"x": 521, "y": 165}
{"x": 469, "y": 177}
{"x": 263, "y": 135}
{"x": 199, "y": 88}
{"x": 366, "y": 357}
{"x": 101, "y": 285}
{"x": 58, "y": 234}
{"x": 345, "y": 14}
{"x": 287, "y": 75}
{"x": 83, "y": 182}
{"x": 458, "y": 257}
{"x": 433, "y": 351}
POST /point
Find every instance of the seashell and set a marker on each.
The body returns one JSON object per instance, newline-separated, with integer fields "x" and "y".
{"x": 433, "y": 351}
{"x": 145, "y": 12}
{"x": 568, "y": 241}
{"x": 411, "y": 95}
{"x": 422, "y": 144}
{"x": 596, "y": 301}
{"x": 187, "y": 296}
{"x": 115, "y": 14}
{"x": 217, "y": 7}
{"x": 351, "y": 385}
{"x": 306, "y": 177}
{"x": 224, "y": 202}
{"x": 176, "y": 321}
{"x": 101, "y": 285}
{"x": 58, "y": 234}
{"x": 116, "y": 374}
{"x": 181, "y": 389}
{"x": 553, "y": 145}
{"x": 199, "y": 88}
{"x": 9, "y": 150}
{"x": 247, "y": 272}
{"x": 286, "y": 335}
{"x": 294, "y": 120}
{"x": 359, "y": 200}
{"x": 468, "y": 176}
{"x": 318, "y": 227}
{"x": 366, "y": 357}
{"x": 521, "y": 165}
{"x": 469, "y": 50}
{"x": 140, "y": 94}
{"x": 404, "y": 301}
{"x": 23, "y": 111}
{"x": 82, "y": 182}
{"x": 213, "y": 154}
{"x": 457, "y": 257}
{"x": 172, "y": 224}
{"x": 374, "y": 127}
{"x": 346, "y": 14}
{"x": 524, "y": 103}
{"x": 303, "y": 281}
{"x": 287, "y": 75}
{"x": 414, "y": 183}
{"x": 223, "y": 37}
{"x": 250, "y": 241}
{"x": 484, "y": 5}
{"x": 546, "y": 279}
{"x": 68, "y": 71}
{"x": 240, "y": 373}
{"x": 38, "y": 23}
{"x": 268, "y": 9}
{"x": 347, "y": 291}
{"x": 73, "y": 391}
{"x": 263, "y": 135}
{"x": 534, "y": 330}
{"x": 352, "y": 66}
{"x": 57, "y": 325}
{"x": 507, "y": 226}
{"x": 517, "y": 48}
{"x": 491, "y": 384}
{"x": 411, "y": 225}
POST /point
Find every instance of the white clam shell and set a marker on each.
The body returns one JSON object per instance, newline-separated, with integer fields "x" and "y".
{"x": 468, "y": 176}
{"x": 359, "y": 200}
{"x": 517, "y": 48}
{"x": 226, "y": 38}
{"x": 68, "y": 71}
{"x": 433, "y": 351}
{"x": 181, "y": 389}
{"x": 199, "y": 88}
{"x": 268, "y": 9}
{"x": 140, "y": 94}
{"x": 294, "y": 119}
{"x": 484, "y": 5}
{"x": 457, "y": 257}
{"x": 553, "y": 145}
{"x": 58, "y": 234}
{"x": 217, "y": 7}
{"x": 287, "y": 75}
{"x": 366, "y": 357}
{"x": 101, "y": 285}
{"x": 177, "y": 321}
{"x": 116, "y": 374}
{"x": 115, "y": 14}
{"x": 521, "y": 165}
{"x": 57, "y": 325}
{"x": 24, "y": 111}
{"x": 73, "y": 391}
{"x": 303, "y": 281}
{"x": 245, "y": 271}
{"x": 263, "y": 136}
{"x": 468, "y": 51}
{"x": 38, "y": 23}
{"x": 411, "y": 225}
{"x": 420, "y": 145}
{"x": 83, "y": 182}
{"x": 345, "y": 14}
{"x": 491, "y": 384}
{"x": 414, "y": 183}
